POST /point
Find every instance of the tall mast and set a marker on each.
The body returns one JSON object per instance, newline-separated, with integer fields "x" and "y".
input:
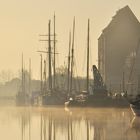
{"x": 49, "y": 53}
{"x": 68, "y": 84}
{"x": 44, "y": 75}
{"x": 30, "y": 76}
{"x": 88, "y": 58}
{"x": 24, "y": 80}
{"x": 22, "y": 73}
{"x": 123, "y": 83}
{"x": 23, "y": 77}
{"x": 41, "y": 74}
{"x": 72, "y": 55}
{"x": 54, "y": 54}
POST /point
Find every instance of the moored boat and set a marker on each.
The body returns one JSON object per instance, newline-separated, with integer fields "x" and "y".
{"x": 23, "y": 96}
{"x": 135, "y": 107}
{"x": 96, "y": 95}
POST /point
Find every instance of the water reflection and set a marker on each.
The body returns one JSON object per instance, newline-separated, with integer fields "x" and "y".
{"x": 134, "y": 130}
{"x": 18, "y": 123}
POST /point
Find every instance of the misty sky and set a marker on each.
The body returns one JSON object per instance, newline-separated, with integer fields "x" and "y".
{"x": 21, "y": 22}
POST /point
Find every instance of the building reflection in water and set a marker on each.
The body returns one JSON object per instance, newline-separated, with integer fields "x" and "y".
{"x": 73, "y": 124}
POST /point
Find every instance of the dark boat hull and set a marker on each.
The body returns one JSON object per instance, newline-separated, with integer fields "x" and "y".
{"x": 135, "y": 109}
{"x": 53, "y": 100}
{"x": 97, "y": 101}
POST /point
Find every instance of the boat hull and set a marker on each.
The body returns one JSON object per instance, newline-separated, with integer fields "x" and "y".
{"x": 53, "y": 99}
{"x": 135, "y": 109}
{"x": 97, "y": 101}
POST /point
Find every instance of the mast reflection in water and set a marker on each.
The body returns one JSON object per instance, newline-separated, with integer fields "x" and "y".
{"x": 21, "y": 123}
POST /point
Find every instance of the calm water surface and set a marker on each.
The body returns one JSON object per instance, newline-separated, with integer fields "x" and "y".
{"x": 58, "y": 123}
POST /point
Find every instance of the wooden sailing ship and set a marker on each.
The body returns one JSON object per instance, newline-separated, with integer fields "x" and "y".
{"x": 98, "y": 95}
{"x": 50, "y": 93}
{"x": 81, "y": 98}
{"x": 23, "y": 96}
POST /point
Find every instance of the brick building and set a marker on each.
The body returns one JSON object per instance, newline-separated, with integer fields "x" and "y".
{"x": 116, "y": 47}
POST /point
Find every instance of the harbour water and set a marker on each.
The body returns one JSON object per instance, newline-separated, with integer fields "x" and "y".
{"x": 59, "y": 123}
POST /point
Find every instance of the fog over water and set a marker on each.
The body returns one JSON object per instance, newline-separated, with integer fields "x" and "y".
{"x": 55, "y": 123}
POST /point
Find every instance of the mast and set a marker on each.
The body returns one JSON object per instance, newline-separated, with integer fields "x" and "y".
{"x": 88, "y": 58}
{"x": 49, "y": 53}
{"x": 44, "y": 75}
{"x": 24, "y": 81}
{"x": 68, "y": 84}
{"x": 123, "y": 83}
{"x": 22, "y": 77}
{"x": 29, "y": 76}
{"x": 54, "y": 54}
{"x": 41, "y": 74}
{"x": 72, "y": 59}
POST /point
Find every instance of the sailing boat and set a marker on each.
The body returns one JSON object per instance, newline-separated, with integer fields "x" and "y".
{"x": 135, "y": 106}
{"x": 22, "y": 98}
{"x": 134, "y": 85}
{"x": 48, "y": 96}
{"x": 51, "y": 95}
{"x": 81, "y": 99}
